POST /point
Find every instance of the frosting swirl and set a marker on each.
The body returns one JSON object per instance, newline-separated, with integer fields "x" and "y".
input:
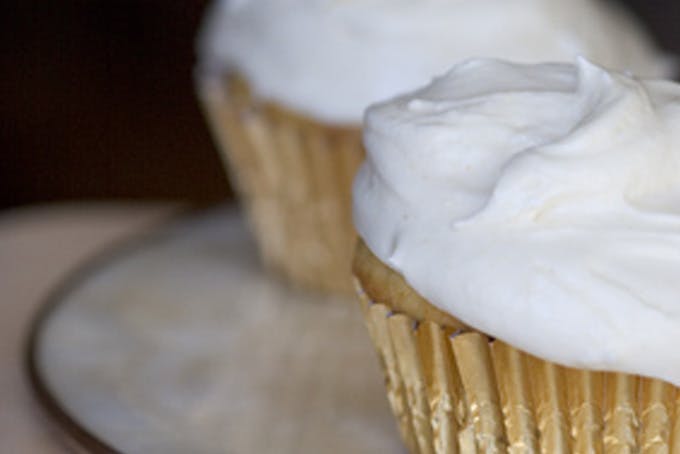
{"x": 537, "y": 203}
{"x": 332, "y": 58}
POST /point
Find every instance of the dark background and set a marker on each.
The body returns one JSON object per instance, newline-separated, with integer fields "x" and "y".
{"x": 96, "y": 99}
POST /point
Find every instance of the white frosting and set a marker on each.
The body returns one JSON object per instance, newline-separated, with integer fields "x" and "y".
{"x": 332, "y": 58}
{"x": 539, "y": 204}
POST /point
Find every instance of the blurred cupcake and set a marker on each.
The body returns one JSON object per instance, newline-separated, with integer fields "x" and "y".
{"x": 284, "y": 84}
{"x": 519, "y": 268}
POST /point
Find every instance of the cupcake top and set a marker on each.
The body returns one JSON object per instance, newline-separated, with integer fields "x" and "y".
{"x": 331, "y": 58}
{"x": 537, "y": 203}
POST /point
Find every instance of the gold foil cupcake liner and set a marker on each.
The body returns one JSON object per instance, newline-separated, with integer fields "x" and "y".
{"x": 455, "y": 390}
{"x": 294, "y": 178}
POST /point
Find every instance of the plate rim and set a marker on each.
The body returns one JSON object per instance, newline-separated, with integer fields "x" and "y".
{"x": 74, "y": 432}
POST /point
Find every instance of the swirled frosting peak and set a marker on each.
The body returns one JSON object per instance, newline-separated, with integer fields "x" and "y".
{"x": 537, "y": 203}
{"x": 332, "y": 58}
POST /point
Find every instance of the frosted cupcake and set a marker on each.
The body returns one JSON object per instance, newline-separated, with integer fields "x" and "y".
{"x": 519, "y": 268}
{"x": 284, "y": 84}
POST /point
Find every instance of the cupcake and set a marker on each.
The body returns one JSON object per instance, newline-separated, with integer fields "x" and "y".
{"x": 519, "y": 261}
{"x": 284, "y": 84}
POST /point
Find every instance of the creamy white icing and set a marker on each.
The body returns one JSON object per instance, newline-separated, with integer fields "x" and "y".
{"x": 332, "y": 58}
{"x": 537, "y": 203}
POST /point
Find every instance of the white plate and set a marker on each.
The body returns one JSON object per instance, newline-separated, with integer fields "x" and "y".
{"x": 179, "y": 343}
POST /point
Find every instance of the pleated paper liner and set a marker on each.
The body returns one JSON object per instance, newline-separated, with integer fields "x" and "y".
{"x": 454, "y": 390}
{"x": 294, "y": 177}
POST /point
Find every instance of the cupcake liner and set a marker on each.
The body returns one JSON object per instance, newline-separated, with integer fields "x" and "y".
{"x": 455, "y": 390}
{"x": 294, "y": 177}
